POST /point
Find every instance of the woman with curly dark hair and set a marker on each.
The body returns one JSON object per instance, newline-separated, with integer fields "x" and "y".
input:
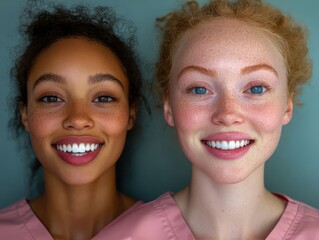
{"x": 78, "y": 87}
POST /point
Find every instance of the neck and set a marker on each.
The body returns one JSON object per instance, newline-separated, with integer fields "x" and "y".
{"x": 228, "y": 211}
{"x": 79, "y": 211}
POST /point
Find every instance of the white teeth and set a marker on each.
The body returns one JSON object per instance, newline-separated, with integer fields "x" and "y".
{"x": 82, "y": 148}
{"x": 232, "y": 145}
{"x": 87, "y": 147}
{"x": 92, "y": 147}
{"x": 228, "y": 145}
{"x": 224, "y": 145}
{"x": 77, "y": 149}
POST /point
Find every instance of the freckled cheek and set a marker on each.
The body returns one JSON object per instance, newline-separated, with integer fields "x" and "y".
{"x": 266, "y": 117}
{"x": 190, "y": 117}
{"x": 41, "y": 124}
{"x": 115, "y": 122}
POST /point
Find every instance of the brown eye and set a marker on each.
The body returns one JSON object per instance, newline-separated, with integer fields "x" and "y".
{"x": 50, "y": 99}
{"x": 104, "y": 99}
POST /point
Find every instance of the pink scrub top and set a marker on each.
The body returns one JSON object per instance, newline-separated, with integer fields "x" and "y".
{"x": 161, "y": 219}
{"x": 18, "y": 222}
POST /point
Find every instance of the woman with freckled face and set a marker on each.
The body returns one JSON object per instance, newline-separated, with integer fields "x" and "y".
{"x": 229, "y": 74}
{"x": 59, "y": 116}
{"x": 79, "y": 87}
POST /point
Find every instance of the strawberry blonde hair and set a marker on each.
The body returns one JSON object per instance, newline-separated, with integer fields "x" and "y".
{"x": 289, "y": 36}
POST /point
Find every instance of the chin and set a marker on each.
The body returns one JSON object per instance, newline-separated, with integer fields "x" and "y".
{"x": 79, "y": 179}
{"x": 228, "y": 176}
{"x": 229, "y": 180}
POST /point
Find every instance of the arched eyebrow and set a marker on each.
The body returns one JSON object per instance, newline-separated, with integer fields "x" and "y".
{"x": 245, "y": 70}
{"x": 52, "y": 77}
{"x": 254, "y": 68}
{"x": 203, "y": 70}
{"x": 100, "y": 77}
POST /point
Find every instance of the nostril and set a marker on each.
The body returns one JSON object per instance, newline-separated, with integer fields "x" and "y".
{"x": 227, "y": 116}
{"x": 78, "y": 122}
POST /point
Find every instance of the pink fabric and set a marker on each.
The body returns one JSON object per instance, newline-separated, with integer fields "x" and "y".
{"x": 161, "y": 219}
{"x": 18, "y": 222}
{"x": 299, "y": 221}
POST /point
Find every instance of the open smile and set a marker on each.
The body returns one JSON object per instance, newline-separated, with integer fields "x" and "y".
{"x": 228, "y": 149}
{"x": 78, "y": 149}
{"x": 228, "y": 145}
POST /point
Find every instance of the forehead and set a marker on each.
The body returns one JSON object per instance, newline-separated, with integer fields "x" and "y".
{"x": 75, "y": 56}
{"x": 75, "y": 48}
{"x": 226, "y": 38}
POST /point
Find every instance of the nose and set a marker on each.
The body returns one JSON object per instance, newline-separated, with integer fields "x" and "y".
{"x": 78, "y": 117}
{"x": 227, "y": 111}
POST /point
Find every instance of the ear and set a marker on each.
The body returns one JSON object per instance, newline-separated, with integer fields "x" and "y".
{"x": 132, "y": 116}
{"x": 168, "y": 115}
{"x": 289, "y": 111}
{"x": 24, "y": 117}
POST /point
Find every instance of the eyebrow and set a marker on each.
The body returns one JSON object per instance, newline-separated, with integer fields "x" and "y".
{"x": 101, "y": 77}
{"x": 52, "y": 77}
{"x": 198, "y": 69}
{"x": 245, "y": 70}
{"x": 258, "y": 67}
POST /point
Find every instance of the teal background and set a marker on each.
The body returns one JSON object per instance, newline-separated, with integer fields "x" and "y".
{"x": 153, "y": 162}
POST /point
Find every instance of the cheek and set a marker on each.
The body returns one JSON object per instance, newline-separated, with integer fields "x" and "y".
{"x": 40, "y": 124}
{"x": 267, "y": 117}
{"x": 116, "y": 122}
{"x": 189, "y": 117}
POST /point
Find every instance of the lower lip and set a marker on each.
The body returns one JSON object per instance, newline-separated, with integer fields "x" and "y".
{"x": 228, "y": 154}
{"x": 78, "y": 160}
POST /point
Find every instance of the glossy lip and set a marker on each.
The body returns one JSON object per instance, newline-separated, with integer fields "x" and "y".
{"x": 228, "y": 136}
{"x": 70, "y": 158}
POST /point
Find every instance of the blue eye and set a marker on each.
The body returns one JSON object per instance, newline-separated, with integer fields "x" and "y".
{"x": 257, "y": 89}
{"x": 103, "y": 99}
{"x": 50, "y": 99}
{"x": 199, "y": 90}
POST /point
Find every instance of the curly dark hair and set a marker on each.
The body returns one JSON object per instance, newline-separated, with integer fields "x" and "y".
{"x": 43, "y": 27}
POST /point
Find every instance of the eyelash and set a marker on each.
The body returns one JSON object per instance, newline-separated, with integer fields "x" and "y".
{"x": 50, "y": 98}
{"x": 264, "y": 87}
{"x": 250, "y": 89}
{"x": 202, "y": 90}
{"x": 108, "y": 98}
{"x": 197, "y": 90}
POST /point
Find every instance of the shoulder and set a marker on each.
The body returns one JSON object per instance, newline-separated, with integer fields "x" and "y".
{"x": 12, "y": 219}
{"x": 306, "y": 222}
{"x": 157, "y": 220}
{"x": 19, "y": 222}
{"x": 12, "y": 214}
{"x": 299, "y": 221}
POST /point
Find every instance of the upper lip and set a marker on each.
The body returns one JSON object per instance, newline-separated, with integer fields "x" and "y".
{"x": 227, "y": 136}
{"x": 77, "y": 140}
